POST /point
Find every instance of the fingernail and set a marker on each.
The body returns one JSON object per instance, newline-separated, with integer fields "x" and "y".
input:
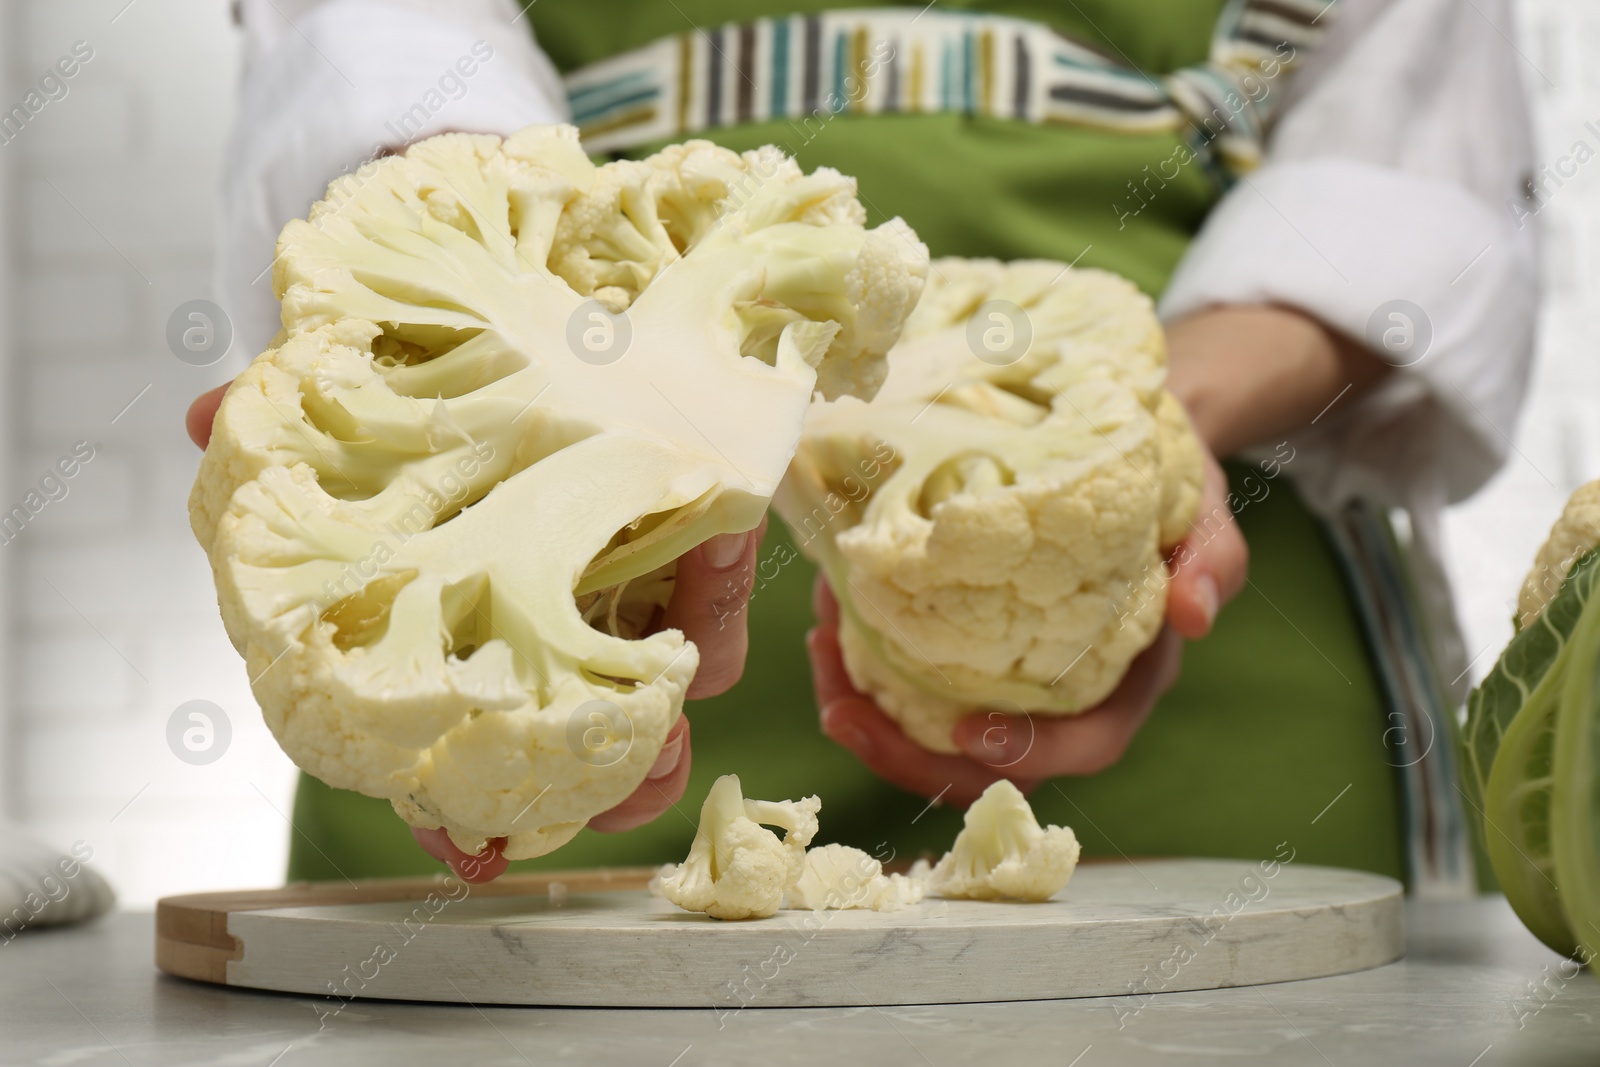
{"x": 724, "y": 550}
{"x": 1205, "y": 591}
{"x": 667, "y": 761}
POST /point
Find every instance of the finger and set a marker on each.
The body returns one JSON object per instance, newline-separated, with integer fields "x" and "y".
{"x": 709, "y": 602}
{"x": 1045, "y": 746}
{"x": 202, "y": 413}
{"x": 828, "y": 674}
{"x": 1210, "y": 564}
{"x": 661, "y": 788}
{"x": 824, "y": 603}
{"x": 857, "y": 723}
{"x": 486, "y": 866}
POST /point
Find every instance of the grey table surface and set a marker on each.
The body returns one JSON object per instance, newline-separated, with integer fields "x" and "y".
{"x": 1475, "y": 990}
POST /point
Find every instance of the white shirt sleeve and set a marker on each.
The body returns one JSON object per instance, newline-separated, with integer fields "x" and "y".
{"x": 1396, "y": 172}
{"x": 328, "y": 84}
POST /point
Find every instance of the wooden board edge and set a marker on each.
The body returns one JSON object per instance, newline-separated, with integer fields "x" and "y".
{"x": 193, "y": 940}
{"x": 202, "y": 963}
{"x": 377, "y": 890}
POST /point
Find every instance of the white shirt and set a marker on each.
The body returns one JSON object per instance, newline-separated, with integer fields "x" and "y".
{"x": 1395, "y": 171}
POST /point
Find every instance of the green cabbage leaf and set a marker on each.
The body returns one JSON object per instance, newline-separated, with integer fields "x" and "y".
{"x": 1532, "y": 747}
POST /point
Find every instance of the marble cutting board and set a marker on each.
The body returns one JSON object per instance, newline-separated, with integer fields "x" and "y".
{"x": 599, "y": 939}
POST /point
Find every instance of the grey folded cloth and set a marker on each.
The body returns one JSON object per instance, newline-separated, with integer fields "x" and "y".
{"x": 42, "y": 886}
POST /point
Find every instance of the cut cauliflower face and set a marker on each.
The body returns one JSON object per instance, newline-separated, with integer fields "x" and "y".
{"x": 837, "y": 877}
{"x": 511, "y": 388}
{"x": 1003, "y": 852}
{"x": 993, "y": 524}
{"x": 736, "y": 868}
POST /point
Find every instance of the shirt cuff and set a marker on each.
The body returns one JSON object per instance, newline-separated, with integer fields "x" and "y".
{"x": 1344, "y": 241}
{"x": 348, "y": 80}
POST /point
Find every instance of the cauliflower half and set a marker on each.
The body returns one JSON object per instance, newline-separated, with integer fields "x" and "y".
{"x": 1002, "y": 852}
{"x": 511, "y": 388}
{"x": 993, "y": 521}
{"x": 837, "y": 877}
{"x": 736, "y": 868}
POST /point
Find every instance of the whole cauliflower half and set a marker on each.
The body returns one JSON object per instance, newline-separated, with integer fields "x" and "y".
{"x": 511, "y": 388}
{"x": 993, "y": 522}
{"x": 736, "y": 867}
{"x": 1002, "y": 851}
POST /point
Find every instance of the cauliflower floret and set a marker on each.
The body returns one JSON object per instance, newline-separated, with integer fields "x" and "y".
{"x": 1574, "y": 533}
{"x": 736, "y": 868}
{"x": 838, "y": 877}
{"x": 444, "y": 508}
{"x": 1002, "y": 852}
{"x": 994, "y": 527}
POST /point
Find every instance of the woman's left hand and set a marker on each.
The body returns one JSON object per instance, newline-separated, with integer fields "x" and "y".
{"x": 1208, "y": 571}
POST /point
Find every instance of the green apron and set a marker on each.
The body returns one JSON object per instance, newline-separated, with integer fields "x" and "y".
{"x": 1274, "y": 732}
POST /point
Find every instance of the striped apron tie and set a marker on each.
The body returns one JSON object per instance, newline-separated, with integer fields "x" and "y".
{"x": 808, "y": 68}
{"x": 1422, "y": 735}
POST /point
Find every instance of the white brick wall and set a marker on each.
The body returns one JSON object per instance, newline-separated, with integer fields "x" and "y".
{"x": 9, "y": 405}
{"x": 113, "y": 622}
{"x": 113, "y": 617}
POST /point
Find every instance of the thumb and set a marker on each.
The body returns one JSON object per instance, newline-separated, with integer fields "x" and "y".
{"x": 202, "y": 413}
{"x": 1210, "y": 565}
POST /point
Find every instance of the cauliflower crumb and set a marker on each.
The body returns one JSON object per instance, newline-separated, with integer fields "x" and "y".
{"x": 736, "y": 868}
{"x": 837, "y": 877}
{"x": 1003, "y": 852}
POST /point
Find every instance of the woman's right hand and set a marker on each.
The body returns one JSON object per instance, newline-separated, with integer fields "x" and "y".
{"x": 1208, "y": 569}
